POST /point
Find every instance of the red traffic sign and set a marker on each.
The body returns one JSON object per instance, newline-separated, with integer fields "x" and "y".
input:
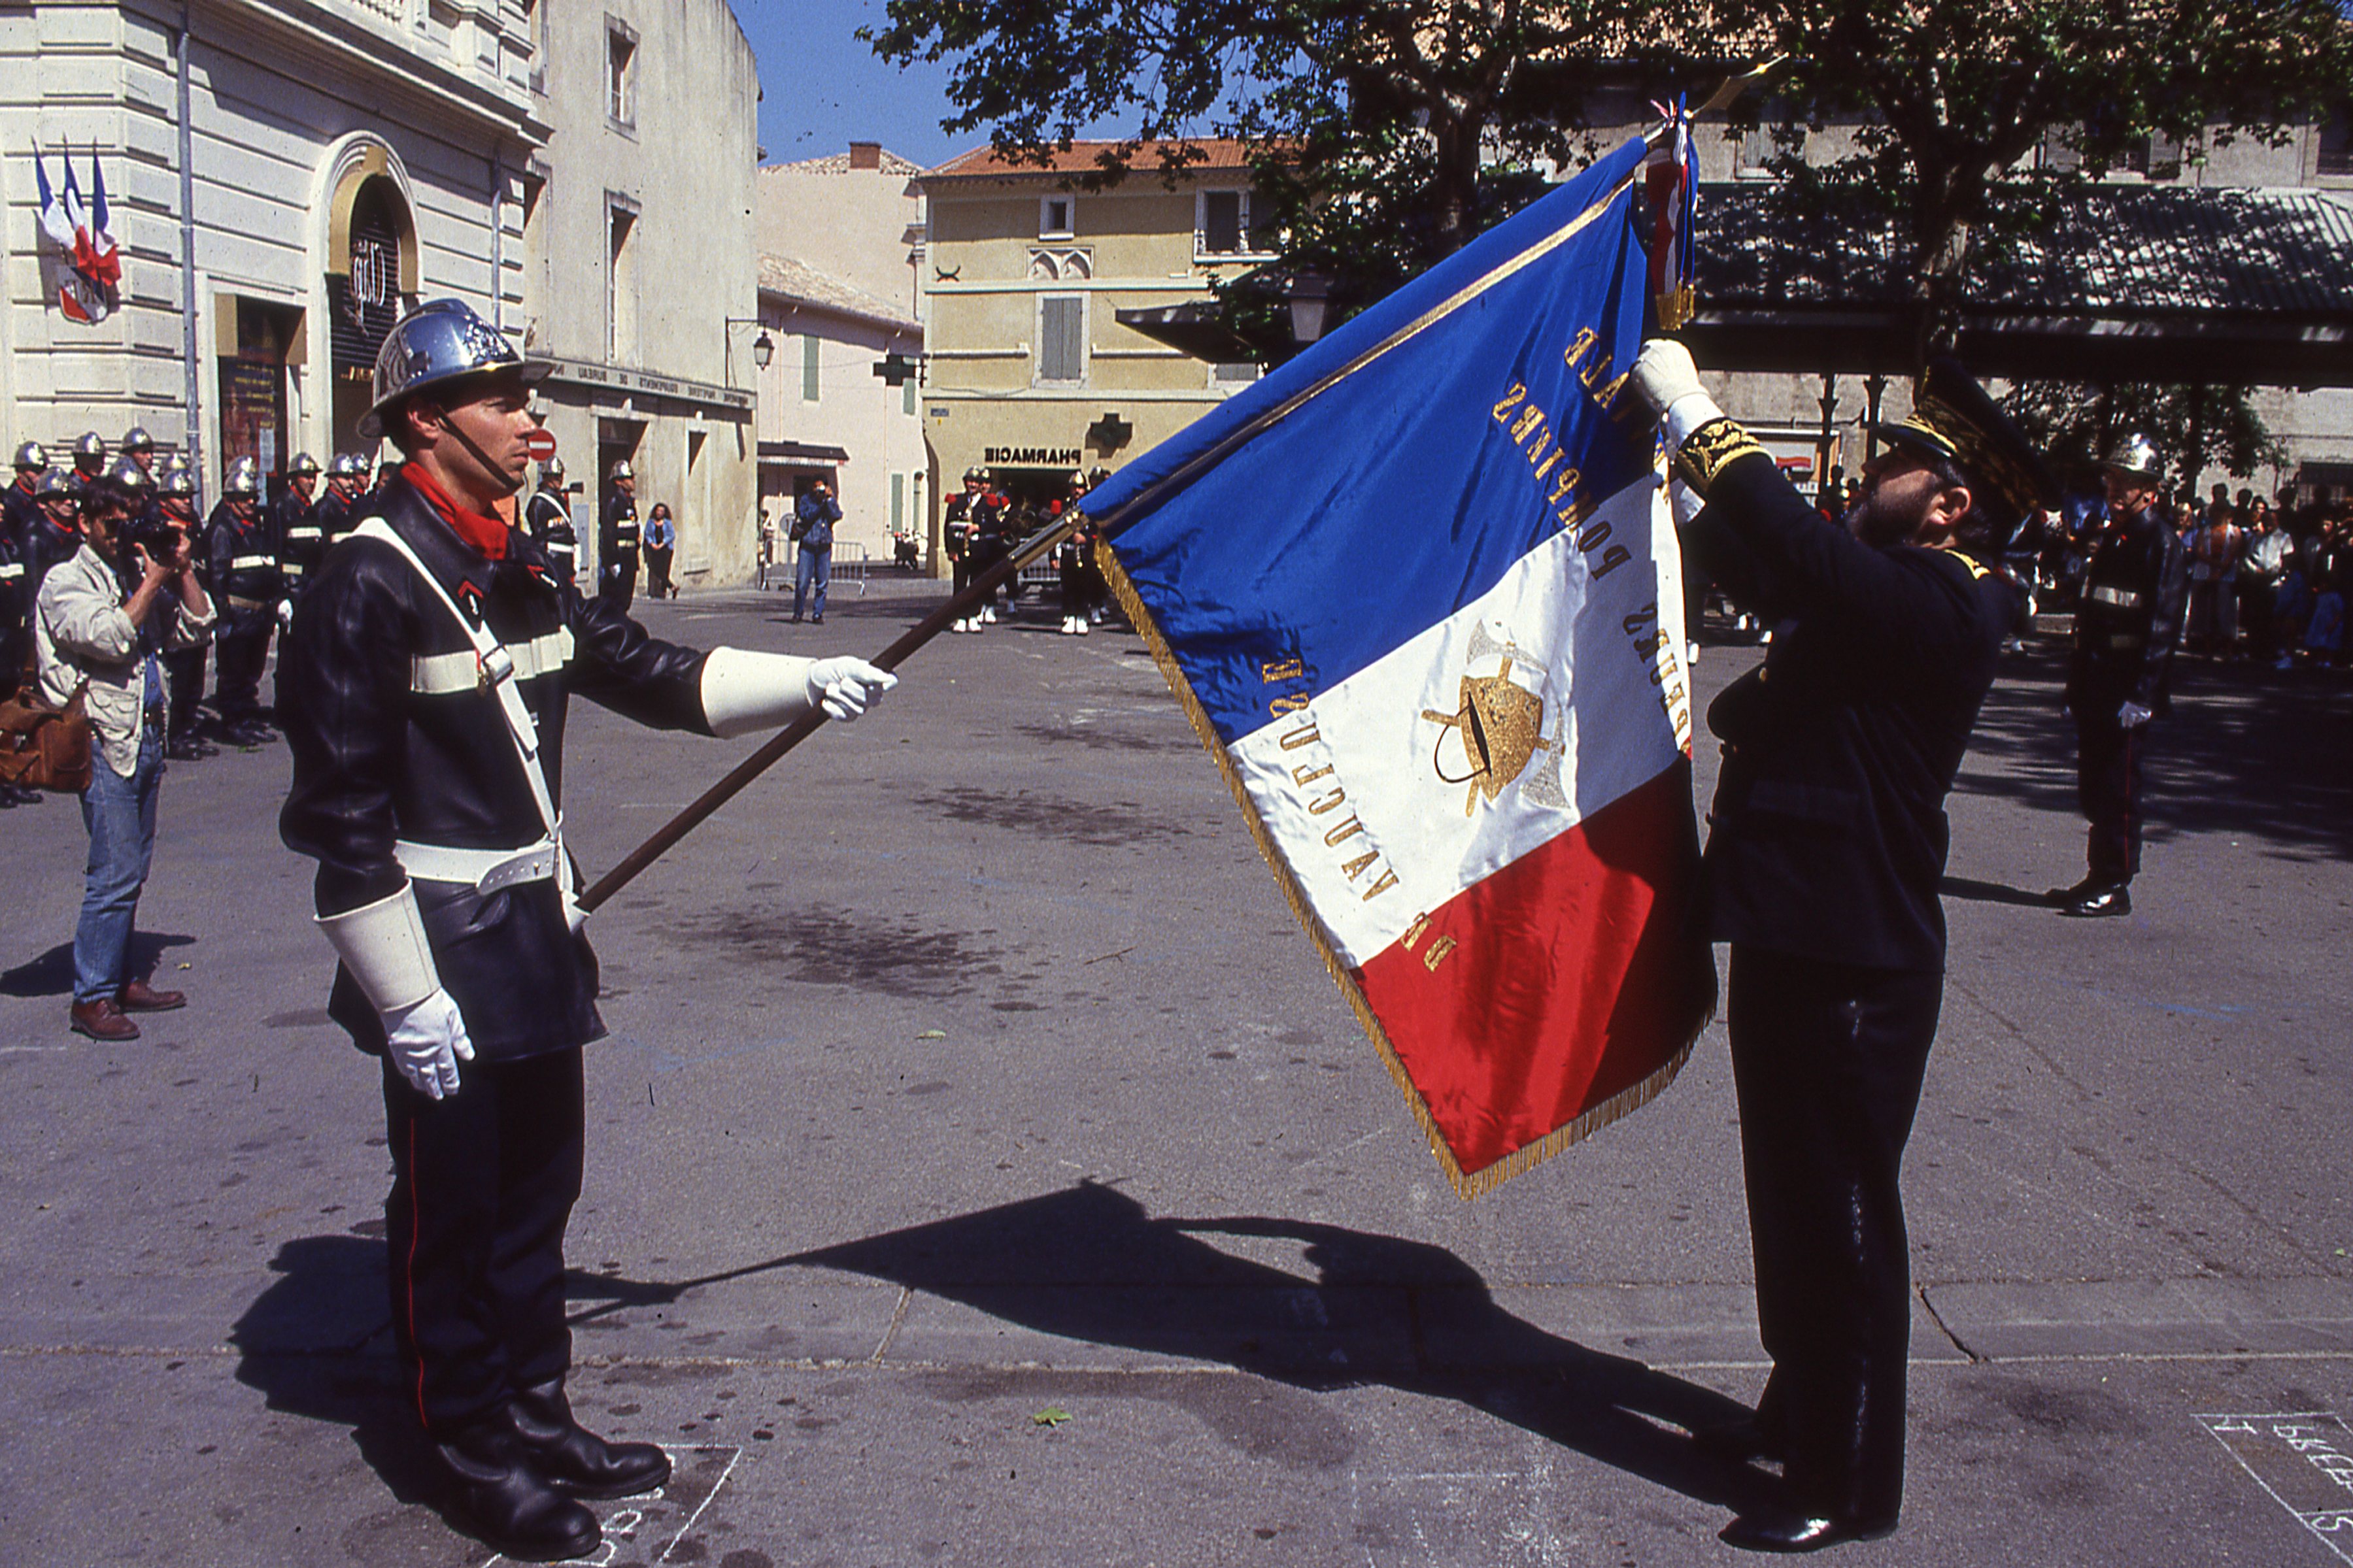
{"x": 540, "y": 444}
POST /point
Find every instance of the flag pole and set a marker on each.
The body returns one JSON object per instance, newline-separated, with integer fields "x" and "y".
{"x": 975, "y": 593}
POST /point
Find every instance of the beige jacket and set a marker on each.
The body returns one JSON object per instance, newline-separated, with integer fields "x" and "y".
{"x": 82, "y": 633}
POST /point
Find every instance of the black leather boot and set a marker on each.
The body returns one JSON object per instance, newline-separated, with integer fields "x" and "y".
{"x": 499, "y": 1496}
{"x": 575, "y": 1459}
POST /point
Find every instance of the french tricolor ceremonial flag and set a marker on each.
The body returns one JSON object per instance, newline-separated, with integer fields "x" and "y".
{"x": 1420, "y": 594}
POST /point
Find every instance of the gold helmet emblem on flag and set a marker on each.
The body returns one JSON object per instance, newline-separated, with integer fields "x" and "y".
{"x": 1499, "y": 724}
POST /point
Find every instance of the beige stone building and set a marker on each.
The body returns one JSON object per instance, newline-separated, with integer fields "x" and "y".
{"x": 836, "y": 297}
{"x": 639, "y": 277}
{"x": 1030, "y": 372}
{"x": 283, "y": 179}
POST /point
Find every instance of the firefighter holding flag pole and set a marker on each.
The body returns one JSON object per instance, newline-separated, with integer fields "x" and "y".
{"x": 433, "y": 657}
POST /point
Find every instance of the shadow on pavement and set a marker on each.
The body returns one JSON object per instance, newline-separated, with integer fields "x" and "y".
{"x": 316, "y": 1343}
{"x": 2246, "y": 750}
{"x": 1088, "y": 1264}
{"x": 1976, "y": 892}
{"x": 52, "y": 974}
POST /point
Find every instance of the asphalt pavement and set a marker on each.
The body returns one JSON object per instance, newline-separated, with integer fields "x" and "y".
{"x": 982, "y": 1169}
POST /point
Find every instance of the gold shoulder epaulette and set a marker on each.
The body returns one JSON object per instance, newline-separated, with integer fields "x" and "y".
{"x": 1706, "y": 451}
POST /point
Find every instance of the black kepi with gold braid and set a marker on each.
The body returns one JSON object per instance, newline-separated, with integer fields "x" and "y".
{"x": 1953, "y": 417}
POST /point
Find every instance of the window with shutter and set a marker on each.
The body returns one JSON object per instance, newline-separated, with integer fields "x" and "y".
{"x": 1062, "y": 338}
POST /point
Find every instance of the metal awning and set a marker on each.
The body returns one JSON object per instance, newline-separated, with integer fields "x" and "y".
{"x": 1191, "y": 327}
{"x": 799, "y": 455}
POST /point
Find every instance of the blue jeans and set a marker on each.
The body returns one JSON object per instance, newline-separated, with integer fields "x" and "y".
{"x": 814, "y": 566}
{"x": 120, "y": 816}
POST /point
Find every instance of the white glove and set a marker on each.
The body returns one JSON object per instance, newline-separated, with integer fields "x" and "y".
{"x": 427, "y": 1040}
{"x": 1669, "y": 382}
{"x": 2131, "y": 715}
{"x": 285, "y": 614}
{"x": 846, "y": 686}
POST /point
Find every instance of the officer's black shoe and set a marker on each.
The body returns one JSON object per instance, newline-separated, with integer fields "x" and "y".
{"x": 499, "y": 1496}
{"x": 575, "y": 1459}
{"x": 247, "y": 736}
{"x": 2100, "y": 903}
{"x": 2083, "y": 890}
{"x": 1799, "y": 1532}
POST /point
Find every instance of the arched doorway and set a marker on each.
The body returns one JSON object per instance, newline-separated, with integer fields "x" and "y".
{"x": 371, "y": 276}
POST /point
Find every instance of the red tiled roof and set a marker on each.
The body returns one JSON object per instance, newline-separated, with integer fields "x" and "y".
{"x": 1083, "y": 158}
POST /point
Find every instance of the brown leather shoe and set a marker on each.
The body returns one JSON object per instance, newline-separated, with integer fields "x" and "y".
{"x": 102, "y": 1020}
{"x": 140, "y": 997}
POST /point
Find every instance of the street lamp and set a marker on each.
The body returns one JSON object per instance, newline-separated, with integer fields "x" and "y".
{"x": 1311, "y": 303}
{"x": 764, "y": 347}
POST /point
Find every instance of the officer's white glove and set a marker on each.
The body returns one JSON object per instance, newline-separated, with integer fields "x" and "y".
{"x": 1667, "y": 380}
{"x": 845, "y": 688}
{"x": 285, "y": 614}
{"x": 2131, "y": 715}
{"x": 427, "y": 1040}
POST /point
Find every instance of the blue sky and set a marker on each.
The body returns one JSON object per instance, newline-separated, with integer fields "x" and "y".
{"x": 822, "y": 87}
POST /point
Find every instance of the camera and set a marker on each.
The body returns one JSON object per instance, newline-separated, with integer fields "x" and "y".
{"x": 142, "y": 531}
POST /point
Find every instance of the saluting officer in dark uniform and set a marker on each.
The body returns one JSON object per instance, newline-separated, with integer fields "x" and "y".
{"x": 548, "y": 519}
{"x": 617, "y": 537}
{"x": 1828, "y": 839}
{"x": 435, "y": 657}
{"x": 246, "y": 590}
{"x": 2128, "y": 621}
{"x": 334, "y": 511}
{"x": 301, "y": 540}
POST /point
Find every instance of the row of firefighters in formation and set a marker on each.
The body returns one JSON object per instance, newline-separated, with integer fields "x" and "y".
{"x": 252, "y": 556}
{"x": 985, "y": 524}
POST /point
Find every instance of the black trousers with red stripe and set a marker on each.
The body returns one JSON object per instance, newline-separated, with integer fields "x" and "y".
{"x": 2107, "y": 787}
{"x": 483, "y": 1184}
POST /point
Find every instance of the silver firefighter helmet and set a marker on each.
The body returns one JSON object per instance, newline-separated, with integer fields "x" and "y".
{"x": 551, "y": 472}
{"x": 303, "y": 463}
{"x": 243, "y": 478}
{"x": 621, "y": 470}
{"x": 90, "y": 444}
{"x": 179, "y": 484}
{"x": 132, "y": 478}
{"x": 34, "y": 456}
{"x": 2136, "y": 455}
{"x": 439, "y": 341}
{"x": 136, "y": 439}
{"x": 55, "y": 485}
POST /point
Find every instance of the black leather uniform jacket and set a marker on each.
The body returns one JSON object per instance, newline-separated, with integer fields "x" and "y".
{"x": 1828, "y": 835}
{"x": 335, "y": 516}
{"x": 2135, "y": 585}
{"x": 376, "y": 759}
{"x": 18, "y": 513}
{"x": 244, "y": 555}
{"x": 301, "y": 540}
{"x": 550, "y": 525}
{"x": 616, "y": 534}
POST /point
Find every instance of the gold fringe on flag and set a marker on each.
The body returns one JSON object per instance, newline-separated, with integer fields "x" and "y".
{"x": 1467, "y": 1184}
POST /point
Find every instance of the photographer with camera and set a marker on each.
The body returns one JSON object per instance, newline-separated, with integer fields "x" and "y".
{"x": 129, "y": 592}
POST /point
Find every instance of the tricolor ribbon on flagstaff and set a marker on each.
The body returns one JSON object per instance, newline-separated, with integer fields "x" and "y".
{"x": 1419, "y": 592}
{"x": 88, "y": 284}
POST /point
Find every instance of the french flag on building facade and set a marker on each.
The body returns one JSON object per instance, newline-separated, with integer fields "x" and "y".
{"x": 1419, "y": 592}
{"x": 89, "y": 282}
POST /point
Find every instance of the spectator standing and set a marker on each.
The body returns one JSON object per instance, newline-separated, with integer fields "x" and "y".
{"x": 661, "y": 543}
{"x": 2214, "y": 548}
{"x": 814, "y": 516}
{"x": 768, "y": 547}
{"x": 2327, "y": 567}
{"x": 92, "y": 636}
{"x": 2263, "y": 568}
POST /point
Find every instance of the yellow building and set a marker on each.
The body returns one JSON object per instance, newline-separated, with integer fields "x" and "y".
{"x": 1029, "y": 373}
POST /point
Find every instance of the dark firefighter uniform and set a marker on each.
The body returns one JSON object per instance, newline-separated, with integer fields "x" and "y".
{"x": 548, "y": 517}
{"x": 616, "y": 547}
{"x": 302, "y": 539}
{"x": 19, "y": 511}
{"x": 2135, "y": 585}
{"x": 247, "y": 586}
{"x": 1827, "y": 841}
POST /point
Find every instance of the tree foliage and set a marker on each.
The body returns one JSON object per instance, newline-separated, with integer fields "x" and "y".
{"x": 2197, "y": 429}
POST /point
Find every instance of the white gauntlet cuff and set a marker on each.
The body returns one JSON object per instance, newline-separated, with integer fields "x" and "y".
{"x": 1687, "y": 414}
{"x": 744, "y": 691}
{"x": 382, "y": 946}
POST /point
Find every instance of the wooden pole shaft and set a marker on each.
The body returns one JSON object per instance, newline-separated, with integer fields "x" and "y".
{"x": 801, "y": 728}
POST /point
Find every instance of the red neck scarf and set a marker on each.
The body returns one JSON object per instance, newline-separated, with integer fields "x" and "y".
{"x": 488, "y": 535}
